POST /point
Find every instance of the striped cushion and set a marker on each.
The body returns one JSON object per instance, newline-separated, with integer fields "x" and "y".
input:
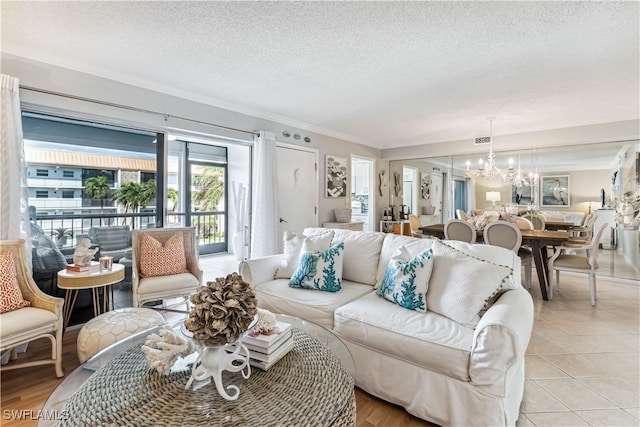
{"x": 111, "y": 238}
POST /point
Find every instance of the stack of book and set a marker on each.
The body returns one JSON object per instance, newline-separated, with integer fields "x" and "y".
{"x": 265, "y": 349}
{"x": 81, "y": 268}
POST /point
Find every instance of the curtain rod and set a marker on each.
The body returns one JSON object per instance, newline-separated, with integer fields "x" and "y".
{"x": 136, "y": 109}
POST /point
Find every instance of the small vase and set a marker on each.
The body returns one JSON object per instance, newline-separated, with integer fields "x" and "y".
{"x": 212, "y": 360}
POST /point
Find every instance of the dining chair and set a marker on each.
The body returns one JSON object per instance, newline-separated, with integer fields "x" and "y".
{"x": 564, "y": 260}
{"x": 507, "y": 235}
{"x": 415, "y": 224}
{"x": 581, "y": 235}
{"x": 21, "y": 323}
{"x": 537, "y": 220}
{"x": 522, "y": 223}
{"x": 457, "y": 229}
{"x": 164, "y": 264}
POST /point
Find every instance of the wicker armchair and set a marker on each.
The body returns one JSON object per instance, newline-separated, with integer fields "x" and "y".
{"x": 147, "y": 289}
{"x": 43, "y": 319}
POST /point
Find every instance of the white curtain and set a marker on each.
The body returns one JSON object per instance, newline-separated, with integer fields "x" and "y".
{"x": 265, "y": 218}
{"x": 471, "y": 195}
{"x": 14, "y": 212}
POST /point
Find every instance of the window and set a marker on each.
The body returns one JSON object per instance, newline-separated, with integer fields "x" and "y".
{"x": 67, "y": 174}
{"x": 67, "y": 194}
{"x": 42, "y": 194}
{"x": 42, "y": 172}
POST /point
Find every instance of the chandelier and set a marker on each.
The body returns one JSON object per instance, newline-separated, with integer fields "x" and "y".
{"x": 487, "y": 169}
{"x": 516, "y": 178}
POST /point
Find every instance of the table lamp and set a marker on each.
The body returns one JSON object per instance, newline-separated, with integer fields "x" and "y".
{"x": 493, "y": 197}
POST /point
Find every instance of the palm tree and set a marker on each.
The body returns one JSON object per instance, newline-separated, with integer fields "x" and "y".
{"x": 96, "y": 187}
{"x": 147, "y": 193}
{"x": 128, "y": 195}
{"x": 172, "y": 196}
{"x": 210, "y": 186}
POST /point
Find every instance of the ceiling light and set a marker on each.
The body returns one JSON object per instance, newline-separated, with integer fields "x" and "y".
{"x": 488, "y": 169}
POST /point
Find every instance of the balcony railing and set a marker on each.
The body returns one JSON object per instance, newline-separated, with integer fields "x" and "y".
{"x": 65, "y": 229}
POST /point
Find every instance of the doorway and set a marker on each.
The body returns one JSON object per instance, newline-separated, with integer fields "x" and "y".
{"x": 362, "y": 194}
{"x": 197, "y": 194}
{"x": 297, "y": 188}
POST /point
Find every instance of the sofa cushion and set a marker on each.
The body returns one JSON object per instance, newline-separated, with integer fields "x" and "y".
{"x": 10, "y": 293}
{"x": 389, "y": 246}
{"x": 361, "y": 254}
{"x": 427, "y": 340}
{"x": 317, "y": 307}
{"x": 462, "y": 286}
{"x": 292, "y": 245}
{"x": 407, "y": 278}
{"x": 321, "y": 270}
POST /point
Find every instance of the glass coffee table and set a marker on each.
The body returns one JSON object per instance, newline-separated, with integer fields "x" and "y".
{"x": 313, "y": 385}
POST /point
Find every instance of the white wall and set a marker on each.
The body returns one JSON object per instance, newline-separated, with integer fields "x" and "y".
{"x": 173, "y": 112}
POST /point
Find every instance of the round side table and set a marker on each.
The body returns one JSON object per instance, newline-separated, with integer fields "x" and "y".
{"x": 73, "y": 282}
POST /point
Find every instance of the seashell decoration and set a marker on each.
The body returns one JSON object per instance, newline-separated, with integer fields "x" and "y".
{"x": 165, "y": 347}
{"x": 222, "y": 311}
{"x": 266, "y": 321}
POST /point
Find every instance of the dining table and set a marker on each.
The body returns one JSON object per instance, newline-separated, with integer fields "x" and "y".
{"x": 537, "y": 240}
{"x": 558, "y": 226}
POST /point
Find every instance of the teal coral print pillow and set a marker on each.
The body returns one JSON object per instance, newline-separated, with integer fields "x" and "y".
{"x": 406, "y": 279}
{"x": 321, "y": 270}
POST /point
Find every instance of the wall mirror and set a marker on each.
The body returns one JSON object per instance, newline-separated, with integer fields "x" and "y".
{"x": 570, "y": 179}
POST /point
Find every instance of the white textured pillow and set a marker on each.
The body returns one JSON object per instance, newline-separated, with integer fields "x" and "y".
{"x": 292, "y": 248}
{"x": 321, "y": 270}
{"x": 463, "y": 287}
{"x": 407, "y": 278}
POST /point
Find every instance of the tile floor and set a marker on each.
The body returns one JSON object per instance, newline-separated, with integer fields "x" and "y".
{"x": 582, "y": 363}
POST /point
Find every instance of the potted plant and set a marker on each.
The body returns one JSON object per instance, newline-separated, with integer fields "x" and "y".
{"x": 61, "y": 235}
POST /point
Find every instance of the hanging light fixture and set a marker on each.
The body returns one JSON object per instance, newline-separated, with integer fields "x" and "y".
{"x": 487, "y": 169}
{"x": 516, "y": 178}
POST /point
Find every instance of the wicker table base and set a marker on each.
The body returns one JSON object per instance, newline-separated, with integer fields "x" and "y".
{"x": 308, "y": 386}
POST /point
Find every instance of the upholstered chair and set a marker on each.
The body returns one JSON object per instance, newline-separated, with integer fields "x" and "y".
{"x": 581, "y": 235}
{"x": 586, "y": 263}
{"x": 457, "y": 229}
{"x": 28, "y": 313}
{"x": 164, "y": 264}
{"x": 507, "y": 235}
{"x": 537, "y": 220}
{"x": 415, "y": 224}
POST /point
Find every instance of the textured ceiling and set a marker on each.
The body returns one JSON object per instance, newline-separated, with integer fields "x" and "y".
{"x": 385, "y": 74}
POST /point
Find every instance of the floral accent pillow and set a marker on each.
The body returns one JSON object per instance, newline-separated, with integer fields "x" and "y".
{"x": 292, "y": 244}
{"x": 321, "y": 270}
{"x": 10, "y": 293}
{"x": 406, "y": 279}
{"x": 157, "y": 259}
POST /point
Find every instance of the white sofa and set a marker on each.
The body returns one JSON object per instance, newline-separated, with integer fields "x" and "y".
{"x": 563, "y": 216}
{"x": 438, "y": 369}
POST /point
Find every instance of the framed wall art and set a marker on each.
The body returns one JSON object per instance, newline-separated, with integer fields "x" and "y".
{"x": 335, "y": 177}
{"x": 555, "y": 190}
{"x": 521, "y": 195}
{"x": 425, "y": 185}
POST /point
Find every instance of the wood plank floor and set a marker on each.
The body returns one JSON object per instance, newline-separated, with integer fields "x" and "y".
{"x": 25, "y": 391}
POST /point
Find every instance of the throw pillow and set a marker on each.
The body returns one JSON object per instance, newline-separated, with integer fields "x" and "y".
{"x": 292, "y": 246}
{"x": 10, "y": 293}
{"x": 406, "y": 280}
{"x": 157, "y": 259}
{"x": 321, "y": 270}
{"x": 463, "y": 287}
